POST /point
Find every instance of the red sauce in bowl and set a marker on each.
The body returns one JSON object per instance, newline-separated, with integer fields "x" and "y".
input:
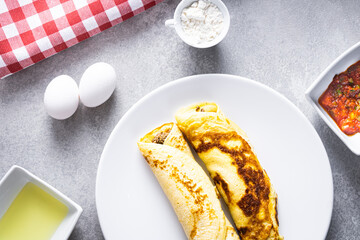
{"x": 341, "y": 100}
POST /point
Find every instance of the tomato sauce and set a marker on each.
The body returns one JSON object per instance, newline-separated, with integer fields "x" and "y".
{"x": 341, "y": 100}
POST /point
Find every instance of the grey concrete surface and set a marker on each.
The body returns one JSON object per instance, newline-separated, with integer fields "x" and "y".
{"x": 284, "y": 44}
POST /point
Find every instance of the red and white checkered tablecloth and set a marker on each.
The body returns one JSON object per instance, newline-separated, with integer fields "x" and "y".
{"x": 31, "y": 30}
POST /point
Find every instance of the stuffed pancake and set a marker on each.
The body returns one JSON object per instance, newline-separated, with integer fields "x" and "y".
{"x": 235, "y": 169}
{"x": 188, "y": 188}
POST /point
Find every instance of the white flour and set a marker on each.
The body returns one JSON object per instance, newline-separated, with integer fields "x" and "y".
{"x": 202, "y": 21}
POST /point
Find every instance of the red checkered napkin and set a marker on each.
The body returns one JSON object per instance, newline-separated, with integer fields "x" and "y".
{"x": 31, "y": 30}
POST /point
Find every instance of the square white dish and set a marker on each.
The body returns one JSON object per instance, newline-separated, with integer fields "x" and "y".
{"x": 349, "y": 57}
{"x": 13, "y": 182}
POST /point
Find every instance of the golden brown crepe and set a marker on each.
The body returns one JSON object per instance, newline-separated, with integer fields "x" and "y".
{"x": 186, "y": 185}
{"x": 235, "y": 169}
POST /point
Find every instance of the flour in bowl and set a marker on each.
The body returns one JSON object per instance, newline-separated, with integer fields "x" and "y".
{"x": 202, "y": 21}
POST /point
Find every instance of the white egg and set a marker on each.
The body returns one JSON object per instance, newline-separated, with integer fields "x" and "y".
{"x": 61, "y": 97}
{"x": 97, "y": 84}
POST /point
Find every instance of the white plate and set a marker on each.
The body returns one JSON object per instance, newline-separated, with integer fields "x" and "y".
{"x": 345, "y": 60}
{"x": 130, "y": 202}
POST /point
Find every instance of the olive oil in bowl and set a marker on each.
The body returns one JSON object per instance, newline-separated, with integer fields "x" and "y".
{"x": 33, "y": 215}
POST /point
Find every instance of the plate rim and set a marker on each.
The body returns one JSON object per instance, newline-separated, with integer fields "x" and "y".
{"x": 190, "y": 78}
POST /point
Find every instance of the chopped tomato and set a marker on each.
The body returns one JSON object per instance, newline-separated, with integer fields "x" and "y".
{"x": 341, "y": 100}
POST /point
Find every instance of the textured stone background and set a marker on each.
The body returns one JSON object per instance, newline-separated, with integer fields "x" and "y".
{"x": 283, "y": 44}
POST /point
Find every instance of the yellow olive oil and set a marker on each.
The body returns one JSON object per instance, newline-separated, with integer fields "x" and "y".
{"x": 33, "y": 215}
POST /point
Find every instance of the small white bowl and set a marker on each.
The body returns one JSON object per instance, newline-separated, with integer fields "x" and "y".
{"x": 13, "y": 182}
{"x": 348, "y": 58}
{"x": 176, "y": 23}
